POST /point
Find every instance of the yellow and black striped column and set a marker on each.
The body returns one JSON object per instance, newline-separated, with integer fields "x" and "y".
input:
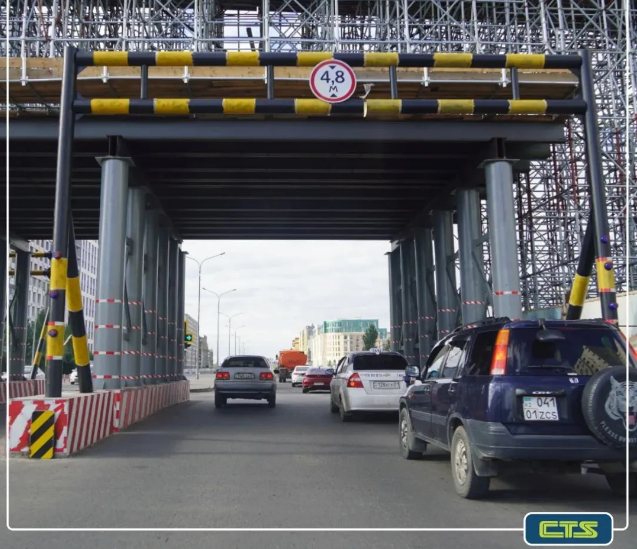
{"x": 42, "y": 435}
{"x": 39, "y": 353}
{"x": 76, "y": 319}
{"x": 582, "y": 275}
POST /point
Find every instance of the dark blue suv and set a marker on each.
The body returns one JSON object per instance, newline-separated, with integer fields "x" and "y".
{"x": 506, "y": 395}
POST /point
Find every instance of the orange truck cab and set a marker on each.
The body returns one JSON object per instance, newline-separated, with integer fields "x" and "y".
{"x": 287, "y": 361}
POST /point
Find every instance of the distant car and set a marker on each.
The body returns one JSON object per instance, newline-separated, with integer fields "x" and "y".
{"x": 368, "y": 381}
{"x": 317, "y": 379}
{"x": 73, "y": 377}
{"x": 297, "y": 375}
{"x": 246, "y": 377}
{"x": 28, "y": 368}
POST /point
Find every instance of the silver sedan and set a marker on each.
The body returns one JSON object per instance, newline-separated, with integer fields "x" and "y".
{"x": 246, "y": 377}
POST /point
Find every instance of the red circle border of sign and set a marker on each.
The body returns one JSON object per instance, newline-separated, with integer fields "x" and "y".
{"x": 342, "y": 64}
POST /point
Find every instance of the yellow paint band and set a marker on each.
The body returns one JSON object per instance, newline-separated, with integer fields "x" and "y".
{"x": 376, "y": 59}
{"x": 55, "y": 345}
{"x": 80, "y": 351}
{"x": 455, "y": 106}
{"x": 605, "y": 279}
{"x": 239, "y": 106}
{"x": 242, "y": 59}
{"x": 38, "y": 358}
{"x": 46, "y": 437}
{"x": 110, "y": 106}
{"x": 449, "y": 60}
{"x": 110, "y": 58}
{"x": 172, "y": 106}
{"x": 310, "y": 58}
{"x": 384, "y": 106}
{"x": 73, "y": 294}
{"x": 41, "y": 420}
{"x": 311, "y": 106}
{"x": 527, "y": 106}
{"x": 173, "y": 58}
{"x": 578, "y": 291}
{"x": 58, "y": 273}
{"x": 525, "y": 60}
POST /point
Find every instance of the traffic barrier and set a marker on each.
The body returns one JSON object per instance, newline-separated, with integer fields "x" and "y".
{"x": 42, "y": 435}
{"x": 21, "y": 389}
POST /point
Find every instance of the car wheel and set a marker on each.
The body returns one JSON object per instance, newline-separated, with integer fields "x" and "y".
{"x": 333, "y": 407}
{"x": 617, "y": 484}
{"x": 272, "y": 401}
{"x": 410, "y": 446}
{"x": 345, "y": 416}
{"x": 306, "y": 390}
{"x": 468, "y": 484}
{"x": 220, "y": 401}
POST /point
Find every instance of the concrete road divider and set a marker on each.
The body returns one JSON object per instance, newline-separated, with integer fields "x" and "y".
{"x": 20, "y": 389}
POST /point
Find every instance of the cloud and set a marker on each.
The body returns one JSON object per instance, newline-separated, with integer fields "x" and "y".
{"x": 282, "y": 286}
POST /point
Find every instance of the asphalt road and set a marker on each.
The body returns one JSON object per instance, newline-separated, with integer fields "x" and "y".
{"x": 248, "y": 466}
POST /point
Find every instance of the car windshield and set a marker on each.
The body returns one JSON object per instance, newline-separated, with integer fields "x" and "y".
{"x": 245, "y": 362}
{"x": 379, "y": 362}
{"x": 316, "y": 372}
{"x": 583, "y": 351}
{"x": 301, "y": 369}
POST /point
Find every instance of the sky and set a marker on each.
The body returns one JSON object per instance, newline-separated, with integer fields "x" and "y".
{"x": 283, "y": 286}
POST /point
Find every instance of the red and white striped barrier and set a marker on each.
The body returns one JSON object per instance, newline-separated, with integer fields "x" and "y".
{"x": 21, "y": 389}
{"x": 81, "y": 420}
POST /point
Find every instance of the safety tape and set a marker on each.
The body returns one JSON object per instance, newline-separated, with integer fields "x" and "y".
{"x": 444, "y": 331}
{"x": 473, "y": 302}
{"x": 410, "y": 322}
{"x": 135, "y": 303}
{"x": 108, "y": 300}
{"x": 107, "y": 326}
{"x": 427, "y": 318}
{"x": 130, "y": 352}
{"x": 150, "y": 311}
{"x": 51, "y": 357}
{"x": 105, "y": 377}
{"x": 54, "y": 323}
{"x": 447, "y": 310}
{"x": 507, "y": 292}
{"x": 109, "y": 353}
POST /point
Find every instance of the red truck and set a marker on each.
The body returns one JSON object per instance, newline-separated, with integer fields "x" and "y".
{"x": 287, "y": 361}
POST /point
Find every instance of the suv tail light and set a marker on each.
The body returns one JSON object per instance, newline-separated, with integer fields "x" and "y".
{"x": 632, "y": 349}
{"x": 266, "y": 375}
{"x": 223, "y": 375}
{"x": 355, "y": 382}
{"x": 499, "y": 360}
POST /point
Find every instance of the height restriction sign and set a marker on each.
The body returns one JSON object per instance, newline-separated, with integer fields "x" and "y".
{"x": 333, "y": 81}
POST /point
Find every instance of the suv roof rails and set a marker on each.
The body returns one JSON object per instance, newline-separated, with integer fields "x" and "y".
{"x": 485, "y": 322}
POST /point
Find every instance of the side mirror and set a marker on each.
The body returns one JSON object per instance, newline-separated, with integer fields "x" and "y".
{"x": 412, "y": 371}
{"x": 329, "y": 372}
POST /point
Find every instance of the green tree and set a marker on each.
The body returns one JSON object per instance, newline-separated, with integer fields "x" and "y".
{"x": 370, "y": 337}
{"x": 387, "y": 345}
{"x": 33, "y": 331}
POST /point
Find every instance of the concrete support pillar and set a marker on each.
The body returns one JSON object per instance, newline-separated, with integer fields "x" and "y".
{"x": 181, "y": 314}
{"x": 408, "y": 300}
{"x": 161, "y": 364}
{"x": 395, "y": 305}
{"x": 18, "y": 347}
{"x": 4, "y": 256}
{"x": 134, "y": 274}
{"x": 425, "y": 292}
{"x": 110, "y": 274}
{"x": 445, "y": 273}
{"x": 173, "y": 298}
{"x": 504, "y": 251}
{"x": 149, "y": 339}
{"x": 474, "y": 306}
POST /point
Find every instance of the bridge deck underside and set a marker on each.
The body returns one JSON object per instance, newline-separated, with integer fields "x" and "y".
{"x": 259, "y": 179}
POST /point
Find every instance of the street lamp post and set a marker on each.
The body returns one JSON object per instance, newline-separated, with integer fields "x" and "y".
{"x": 230, "y": 317}
{"x": 200, "y": 263}
{"x": 219, "y": 296}
{"x": 235, "y": 337}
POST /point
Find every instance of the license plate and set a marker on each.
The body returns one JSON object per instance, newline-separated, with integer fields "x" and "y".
{"x": 385, "y": 384}
{"x": 319, "y": 384}
{"x": 244, "y": 376}
{"x": 540, "y": 409}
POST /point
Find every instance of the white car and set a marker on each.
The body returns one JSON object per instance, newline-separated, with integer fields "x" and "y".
{"x": 297, "y": 375}
{"x": 368, "y": 381}
{"x": 73, "y": 377}
{"x": 28, "y": 368}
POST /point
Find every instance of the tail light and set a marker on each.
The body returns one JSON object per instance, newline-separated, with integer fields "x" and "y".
{"x": 223, "y": 375}
{"x": 499, "y": 361}
{"x": 266, "y": 375}
{"x": 355, "y": 382}
{"x": 632, "y": 349}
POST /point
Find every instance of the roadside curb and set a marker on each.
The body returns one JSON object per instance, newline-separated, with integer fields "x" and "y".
{"x": 204, "y": 390}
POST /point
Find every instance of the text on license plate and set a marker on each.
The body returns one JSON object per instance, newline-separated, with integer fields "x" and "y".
{"x": 244, "y": 376}
{"x": 540, "y": 409}
{"x": 319, "y": 384}
{"x": 385, "y": 384}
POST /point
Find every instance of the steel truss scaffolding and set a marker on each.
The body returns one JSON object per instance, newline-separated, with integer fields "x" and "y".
{"x": 551, "y": 199}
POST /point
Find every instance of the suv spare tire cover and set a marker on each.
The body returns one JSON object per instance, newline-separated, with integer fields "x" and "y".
{"x": 604, "y": 406}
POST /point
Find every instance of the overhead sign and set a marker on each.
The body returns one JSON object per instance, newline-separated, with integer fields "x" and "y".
{"x": 333, "y": 81}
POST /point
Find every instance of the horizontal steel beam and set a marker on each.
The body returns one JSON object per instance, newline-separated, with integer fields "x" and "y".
{"x": 310, "y": 59}
{"x": 316, "y": 107}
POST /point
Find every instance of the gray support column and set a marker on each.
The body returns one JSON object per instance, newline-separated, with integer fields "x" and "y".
{"x": 161, "y": 364}
{"x": 504, "y": 251}
{"x": 395, "y": 305}
{"x": 181, "y": 314}
{"x": 474, "y": 306}
{"x": 425, "y": 292}
{"x": 173, "y": 298}
{"x": 445, "y": 274}
{"x": 110, "y": 274}
{"x": 4, "y": 256}
{"x": 407, "y": 300}
{"x": 19, "y": 317}
{"x": 149, "y": 341}
{"x": 134, "y": 273}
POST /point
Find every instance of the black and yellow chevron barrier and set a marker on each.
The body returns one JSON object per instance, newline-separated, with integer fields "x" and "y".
{"x": 316, "y": 107}
{"x": 310, "y": 59}
{"x": 42, "y": 435}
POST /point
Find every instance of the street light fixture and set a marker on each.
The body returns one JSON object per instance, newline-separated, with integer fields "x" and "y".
{"x": 219, "y": 296}
{"x": 200, "y": 263}
{"x": 235, "y": 338}
{"x": 230, "y": 317}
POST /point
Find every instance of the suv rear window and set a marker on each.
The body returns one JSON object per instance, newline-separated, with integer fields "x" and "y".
{"x": 583, "y": 351}
{"x": 245, "y": 362}
{"x": 379, "y": 362}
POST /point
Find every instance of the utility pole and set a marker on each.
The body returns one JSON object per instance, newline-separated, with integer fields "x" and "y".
{"x": 230, "y": 317}
{"x": 219, "y": 296}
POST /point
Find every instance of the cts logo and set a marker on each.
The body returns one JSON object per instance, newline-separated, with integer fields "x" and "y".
{"x": 568, "y": 529}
